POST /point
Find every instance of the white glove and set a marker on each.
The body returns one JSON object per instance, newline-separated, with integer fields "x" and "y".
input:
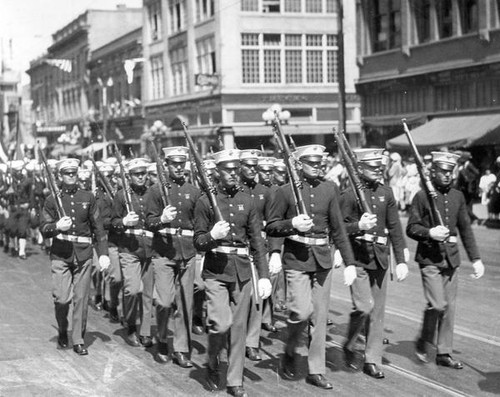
{"x": 275, "y": 263}
{"x": 131, "y": 219}
{"x": 401, "y": 271}
{"x": 64, "y": 224}
{"x": 169, "y": 213}
{"x": 439, "y": 233}
{"x": 104, "y": 262}
{"x": 302, "y": 223}
{"x": 349, "y": 275}
{"x": 367, "y": 221}
{"x": 264, "y": 287}
{"x": 337, "y": 259}
{"x": 406, "y": 254}
{"x": 478, "y": 269}
{"x": 220, "y": 230}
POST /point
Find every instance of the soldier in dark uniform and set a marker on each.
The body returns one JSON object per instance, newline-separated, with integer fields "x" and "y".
{"x": 370, "y": 236}
{"x": 113, "y": 275}
{"x": 227, "y": 269}
{"x": 438, "y": 257}
{"x": 260, "y": 194}
{"x": 71, "y": 252}
{"x": 135, "y": 249}
{"x": 307, "y": 259}
{"x": 174, "y": 259}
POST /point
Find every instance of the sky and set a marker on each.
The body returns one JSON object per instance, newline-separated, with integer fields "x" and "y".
{"x": 31, "y": 23}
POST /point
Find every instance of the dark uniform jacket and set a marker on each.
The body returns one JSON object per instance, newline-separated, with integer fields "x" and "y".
{"x": 238, "y": 209}
{"x": 81, "y": 206}
{"x": 183, "y": 196}
{"x": 322, "y": 204}
{"x": 382, "y": 203}
{"x": 451, "y": 205}
{"x": 135, "y": 244}
{"x": 105, "y": 204}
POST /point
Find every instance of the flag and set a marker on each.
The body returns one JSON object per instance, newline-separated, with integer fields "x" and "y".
{"x": 129, "y": 65}
{"x": 64, "y": 64}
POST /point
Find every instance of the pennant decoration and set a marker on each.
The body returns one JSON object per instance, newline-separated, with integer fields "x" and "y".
{"x": 64, "y": 64}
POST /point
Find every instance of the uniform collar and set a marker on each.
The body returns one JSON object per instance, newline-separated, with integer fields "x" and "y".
{"x": 178, "y": 181}
{"x": 231, "y": 191}
{"x": 69, "y": 189}
{"x": 140, "y": 190}
{"x": 251, "y": 183}
{"x": 312, "y": 181}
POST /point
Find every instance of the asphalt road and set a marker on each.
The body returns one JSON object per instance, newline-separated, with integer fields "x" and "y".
{"x": 31, "y": 365}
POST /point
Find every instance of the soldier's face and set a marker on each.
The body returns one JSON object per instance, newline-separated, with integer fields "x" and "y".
{"x": 248, "y": 171}
{"x": 371, "y": 173}
{"x": 69, "y": 176}
{"x": 265, "y": 174}
{"x": 442, "y": 177}
{"x": 138, "y": 177}
{"x": 311, "y": 168}
{"x": 228, "y": 176}
{"x": 176, "y": 168}
{"x": 279, "y": 176}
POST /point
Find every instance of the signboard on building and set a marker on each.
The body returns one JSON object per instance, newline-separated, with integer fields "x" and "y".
{"x": 204, "y": 79}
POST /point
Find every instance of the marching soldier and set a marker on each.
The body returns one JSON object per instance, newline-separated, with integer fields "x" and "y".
{"x": 227, "y": 269}
{"x": 370, "y": 235}
{"x": 174, "y": 261}
{"x": 71, "y": 252}
{"x": 135, "y": 248}
{"x": 438, "y": 257}
{"x": 19, "y": 210}
{"x": 307, "y": 259}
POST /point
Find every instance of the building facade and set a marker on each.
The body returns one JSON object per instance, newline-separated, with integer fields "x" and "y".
{"x": 425, "y": 59}
{"x": 60, "y": 80}
{"x": 220, "y": 65}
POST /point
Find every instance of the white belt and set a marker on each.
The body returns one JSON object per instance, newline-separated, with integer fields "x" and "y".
{"x": 452, "y": 239}
{"x": 140, "y": 232}
{"x": 263, "y": 234}
{"x": 371, "y": 238}
{"x": 231, "y": 250}
{"x": 74, "y": 239}
{"x": 170, "y": 231}
{"x": 308, "y": 240}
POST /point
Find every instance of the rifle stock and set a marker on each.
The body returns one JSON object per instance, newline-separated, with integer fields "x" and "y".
{"x": 52, "y": 185}
{"x": 123, "y": 176}
{"x": 430, "y": 191}
{"x": 295, "y": 182}
{"x": 162, "y": 176}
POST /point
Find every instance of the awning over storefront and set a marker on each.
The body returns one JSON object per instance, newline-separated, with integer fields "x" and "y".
{"x": 95, "y": 147}
{"x": 292, "y": 129}
{"x": 453, "y": 132}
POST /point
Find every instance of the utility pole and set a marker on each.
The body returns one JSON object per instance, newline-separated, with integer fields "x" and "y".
{"x": 341, "y": 67}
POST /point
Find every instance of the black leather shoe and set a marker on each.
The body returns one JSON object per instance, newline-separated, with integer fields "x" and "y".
{"x": 252, "y": 353}
{"x": 318, "y": 380}
{"x": 446, "y": 360}
{"x": 133, "y": 340}
{"x": 182, "y": 360}
{"x": 372, "y": 370}
{"x": 421, "y": 351}
{"x": 113, "y": 315}
{"x": 22, "y": 256}
{"x": 212, "y": 378}
{"x": 350, "y": 358}
{"x": 80, "y": 350}
{"x": 146, "y": 341}
{"x": 288, "y": 366}
{"x": 197, "y": 330}
{"x": 269, "y": 327}
{"x": 62, "y": 340}
{"x": 237, "y": 391}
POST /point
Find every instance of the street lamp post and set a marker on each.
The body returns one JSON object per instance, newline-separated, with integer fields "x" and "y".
{"x": 276, "y": 110}
{"x": 104, "y": 106}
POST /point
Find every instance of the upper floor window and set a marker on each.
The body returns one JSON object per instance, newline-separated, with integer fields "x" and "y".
{"x": 285, "y": 6}
{"x": 178, "y": 70}
{"x": 157, "y": 78}
{"x": 468, "y": 16}
{"x": 445, "y": 18}
{"x": 289, "y": 58}
{"x": 177, "y": 15}
{"x": 386, "y": 24}
{"x": 422, "y": 14}
{"x": 154, "y": 19}
{"x": 204, "y": 9}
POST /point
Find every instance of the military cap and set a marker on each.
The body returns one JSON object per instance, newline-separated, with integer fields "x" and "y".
{"x": 137, "y": 164}
{"x": 68, "y": 164}
{"x": 250, "y": 156}
{"x": 226, "y": 156}
{"x": 177, "y": 153}
{"x": 84, "y": 174}
{"x": 280, "y": 165}
{"x": 152, "y": 168}
{"x": 105, "y": 167}
{"x": 3, "y": 167}
{"x": 445, "y": 160}
{"x": 17, "y": 165}
{"x": 310, "y": 152}
{"x": 209, "y": 164}
{"x": 266, "y": 163}
{"x": 369, "y": 156}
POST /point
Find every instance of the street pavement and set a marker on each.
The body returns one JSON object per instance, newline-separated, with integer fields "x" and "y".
{"x": 32, "y": 365}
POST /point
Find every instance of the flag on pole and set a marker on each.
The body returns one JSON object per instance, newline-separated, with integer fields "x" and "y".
{"x": 64, "y": 64}
{"x": 129, "y": 65}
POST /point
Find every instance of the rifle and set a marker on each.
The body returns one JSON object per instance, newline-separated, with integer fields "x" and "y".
{"x": 205, "y": 181}
{"x": 430, "y": 191}
{"x": 162, "y": 176}
{"x": 123, "y": 176}
{"x": 98, "y": 175}
{"x": 295, "y": 181}
{"x": 52, "y": 184}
